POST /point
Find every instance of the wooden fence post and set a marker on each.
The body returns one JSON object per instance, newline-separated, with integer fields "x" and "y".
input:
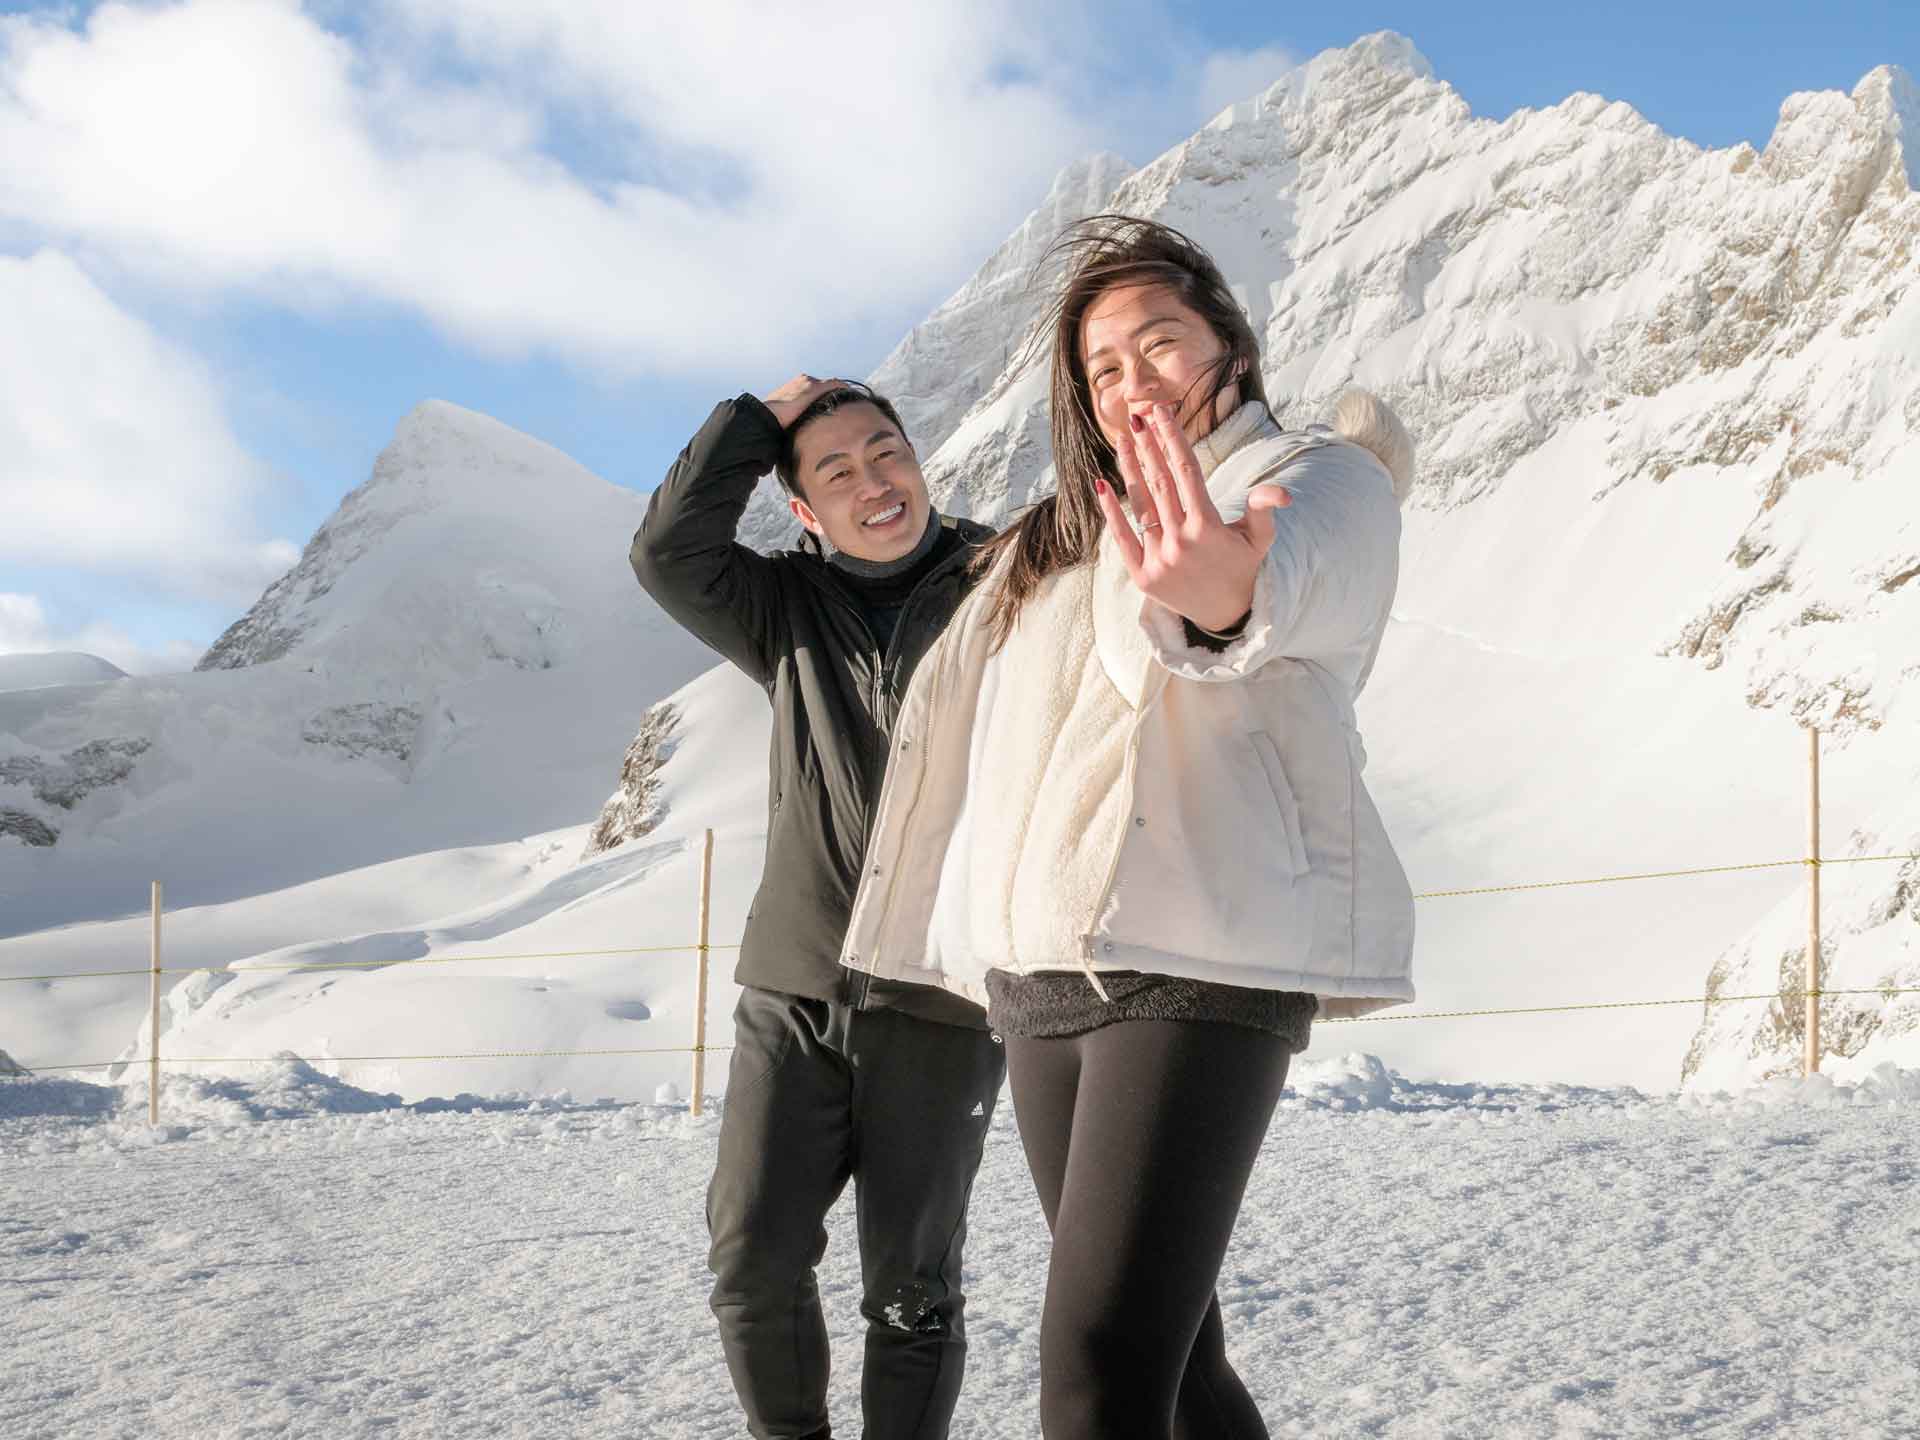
{"x": 1812, "y": 1066}
{"x": 153, "y": 1045}
{"x": 700, "y": 988}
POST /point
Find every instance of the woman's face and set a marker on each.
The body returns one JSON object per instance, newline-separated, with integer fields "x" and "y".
{"x": 1141, "y": 346}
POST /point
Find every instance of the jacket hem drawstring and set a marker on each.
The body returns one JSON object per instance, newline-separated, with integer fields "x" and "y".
{"x": 1093, "y": 978}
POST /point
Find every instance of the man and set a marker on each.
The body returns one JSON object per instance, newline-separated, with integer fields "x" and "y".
{"x": 834, "y": 1075}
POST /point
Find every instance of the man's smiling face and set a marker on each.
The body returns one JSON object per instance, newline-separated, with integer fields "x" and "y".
{"x": 859, "y": 483}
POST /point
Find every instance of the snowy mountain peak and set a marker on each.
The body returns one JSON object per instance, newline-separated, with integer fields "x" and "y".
{"x": 1887, "y": 97}
{"x": 1890, "y": 91}
{"x": 1384, "y": 50}
{"x": 448, "y": 472}
{"x": 439, "y": 448}
{"x": 1337, "y": 85}
{"x": 55, "y": 667}
{"x": 456, "y": 659}
{"x": 1870, "y": 132}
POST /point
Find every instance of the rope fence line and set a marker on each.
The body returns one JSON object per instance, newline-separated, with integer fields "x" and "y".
{"x": 1885, "y": 992}
{"x": 1608, "y": 879}
{"x": 344, "y": 1059}
{"x": 703, "y": 949}
{"x": 296, "y": 966}
{"x": 1808, "y": 861}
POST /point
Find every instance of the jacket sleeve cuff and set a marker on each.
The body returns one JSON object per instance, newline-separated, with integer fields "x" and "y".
{"x": 1237, "y": 659}
{"x": 753, "y": 408}
{"x": 1215, "y": 640}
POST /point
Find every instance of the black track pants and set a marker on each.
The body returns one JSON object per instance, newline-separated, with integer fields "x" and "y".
{"x": 818, "y": 1094}
{"x": 1141, "y": 1136}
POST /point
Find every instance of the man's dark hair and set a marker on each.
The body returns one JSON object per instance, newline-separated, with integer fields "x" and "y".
{"x": 851, "y": 393}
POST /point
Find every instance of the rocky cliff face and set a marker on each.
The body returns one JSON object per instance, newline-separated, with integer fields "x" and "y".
{"x": 635, "y": 809}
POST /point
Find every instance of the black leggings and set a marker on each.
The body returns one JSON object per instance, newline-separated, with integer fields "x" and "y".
{"x": 1141, "y": 1136}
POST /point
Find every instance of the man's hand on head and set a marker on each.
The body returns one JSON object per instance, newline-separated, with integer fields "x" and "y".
{"x": 790, "y": 401}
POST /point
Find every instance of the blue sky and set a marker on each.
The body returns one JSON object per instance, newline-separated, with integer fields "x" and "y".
{"x": 253, "y": 234}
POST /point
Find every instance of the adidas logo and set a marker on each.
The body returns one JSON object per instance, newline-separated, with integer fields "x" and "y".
{"x": 978, "y": 1109}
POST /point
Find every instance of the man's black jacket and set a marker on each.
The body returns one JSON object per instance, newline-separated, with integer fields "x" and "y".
{"x": 791, "y": 622}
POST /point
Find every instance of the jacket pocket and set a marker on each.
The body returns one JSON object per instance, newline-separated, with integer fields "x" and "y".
{"x": 763, "y": 1029}
{"x": 1283, "y": 800}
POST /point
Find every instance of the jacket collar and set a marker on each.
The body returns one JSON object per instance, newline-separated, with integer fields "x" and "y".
{"x": 970, "y": 531}
{"x": 1251, "y": 423}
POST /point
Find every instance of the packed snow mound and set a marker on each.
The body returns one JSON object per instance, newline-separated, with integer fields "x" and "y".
{"x": 1886, "y": 1084}
{"x": 45, "y": 1097}
{"x": 285, "y": 1088}
{"x": 55, "y": 667}
{"x": 288, "y": 1087}
{"x": 1357, "y": 1082}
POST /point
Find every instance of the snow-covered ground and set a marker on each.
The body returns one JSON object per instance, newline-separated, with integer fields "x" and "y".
{"x": 298, "y": 1257}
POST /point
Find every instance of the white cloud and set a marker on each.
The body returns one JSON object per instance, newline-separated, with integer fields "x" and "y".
{"x": 23, "y": 625}
{"x": 1230, "y": 76}
{"x": 26, "y": 629}
{"x": 764, "y": 175}
{"x": 725, "y": 187}
{"x": 115, "y": 454}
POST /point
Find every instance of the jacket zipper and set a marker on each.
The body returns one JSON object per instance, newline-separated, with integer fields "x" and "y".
{"x": 925, "y": 741}
{"x": 862, "y": 977}
{"x": 860, "y": 982}
{"x": 1113, "y": 866}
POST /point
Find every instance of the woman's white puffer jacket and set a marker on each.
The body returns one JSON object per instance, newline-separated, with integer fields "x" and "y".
{"x": 1100, "y": 795}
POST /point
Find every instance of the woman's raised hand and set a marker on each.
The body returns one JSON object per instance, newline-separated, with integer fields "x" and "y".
{"x": 1185, "y": 556}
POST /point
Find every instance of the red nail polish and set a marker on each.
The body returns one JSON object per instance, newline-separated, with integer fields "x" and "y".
{"x": 1137, "y": 423}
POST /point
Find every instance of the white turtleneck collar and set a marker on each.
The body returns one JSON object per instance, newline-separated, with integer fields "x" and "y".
{"x": 1249, "y": 423}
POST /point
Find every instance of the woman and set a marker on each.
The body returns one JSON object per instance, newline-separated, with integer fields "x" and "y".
{"x": 1124, "y": 810}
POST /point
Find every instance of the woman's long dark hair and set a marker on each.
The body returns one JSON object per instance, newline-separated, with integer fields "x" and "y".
{"x": 1099, "y": 254}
